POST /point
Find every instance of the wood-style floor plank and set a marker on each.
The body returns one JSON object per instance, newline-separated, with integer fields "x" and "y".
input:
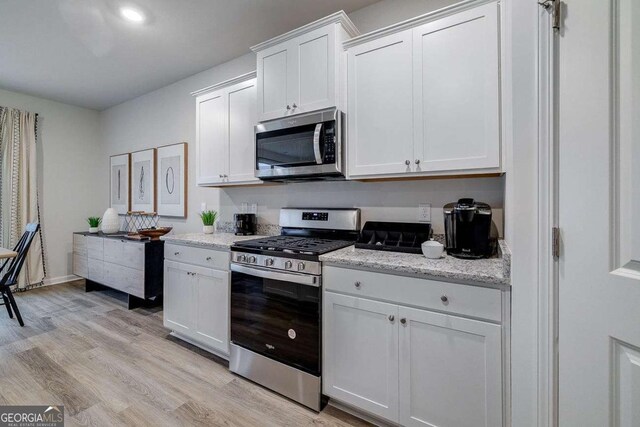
{"x": 111, "y": 366}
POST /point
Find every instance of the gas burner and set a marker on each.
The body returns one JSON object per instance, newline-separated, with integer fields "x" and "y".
{"x": 293, "y": 245}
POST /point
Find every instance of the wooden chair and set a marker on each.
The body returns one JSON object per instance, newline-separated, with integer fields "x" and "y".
{"x": 10, "y": 270}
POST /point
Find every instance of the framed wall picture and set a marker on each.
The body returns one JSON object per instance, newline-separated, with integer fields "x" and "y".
{"x": 172, "y": 180}
{"x": 143, "y": 180}
{"x": 120, "y": 190}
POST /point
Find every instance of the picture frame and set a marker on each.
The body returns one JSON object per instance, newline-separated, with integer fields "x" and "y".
{"x": 143, "y": 180}
{"x": 172, "y": 180}
{"x": 120, "y": 183}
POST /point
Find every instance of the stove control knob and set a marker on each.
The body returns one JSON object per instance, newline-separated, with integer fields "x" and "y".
{"x": 268, "y": 262}
{"x": 252, "y": 259}
{"x": 288, "y": 265}
{"x": 301, "y": 266}
{"x": 241, "y": 258}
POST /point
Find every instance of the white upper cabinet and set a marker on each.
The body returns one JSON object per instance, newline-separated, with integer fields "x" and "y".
{"x": 225, "y": 120}
{"x": 299, "y": 71}
{"x": 380, "y": 111}
{"x": 457, "y": 83}
{"x": 424, "y": 96}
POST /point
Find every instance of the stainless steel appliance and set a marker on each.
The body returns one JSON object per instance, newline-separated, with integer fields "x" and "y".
{"x": 469, "y": 230}
{"x": 245, "y": 224}
{"x": 304, "y": 147}
{"x": 276, "y": 301}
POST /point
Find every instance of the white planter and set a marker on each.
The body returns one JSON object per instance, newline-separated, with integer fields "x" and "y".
{"x": 207, "y": 229}
{"x": 93, "y": 229}
{"x": 110, "y": 221}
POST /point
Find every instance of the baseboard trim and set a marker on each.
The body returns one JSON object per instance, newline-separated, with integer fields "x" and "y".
{"x": 360, "y": 414}
{"x": 60, "y": 279}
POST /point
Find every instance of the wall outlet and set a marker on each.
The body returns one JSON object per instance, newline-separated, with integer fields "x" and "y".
{"x": 424, "y": 212}
{"x": 203, "y": 206}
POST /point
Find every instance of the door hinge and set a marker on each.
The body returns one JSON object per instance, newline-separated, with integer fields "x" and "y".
{"x": 555, "y": 243}
{"x": 555, "y": 8}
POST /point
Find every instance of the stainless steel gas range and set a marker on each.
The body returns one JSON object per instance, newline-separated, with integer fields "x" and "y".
{"x": 276, "y": 301}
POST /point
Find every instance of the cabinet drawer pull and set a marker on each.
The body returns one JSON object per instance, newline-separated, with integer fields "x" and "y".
{"x": 288, "y": 107}
{"x": 294, "y": 105}
{"x": 407, "y": 162}
{"x": 391, "y": 318}
{"x": 176, "y": 253}
{"x": 357, "y": 285}
{"x": 417, "y": 161}
{"x": 444, "y": 299}
{"x": 208, "y": 258}
{"x": 403, "y": 321}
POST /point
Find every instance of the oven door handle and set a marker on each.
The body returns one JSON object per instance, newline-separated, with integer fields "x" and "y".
{"x": 302, "y": 279}
{"x": 316, "y": 143}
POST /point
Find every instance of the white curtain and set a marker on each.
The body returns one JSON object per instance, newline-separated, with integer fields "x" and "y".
{"x": 18, "y": 189}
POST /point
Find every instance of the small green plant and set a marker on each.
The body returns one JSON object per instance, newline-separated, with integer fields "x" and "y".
{"x": 208, "y": 217}
{"x": 94, "y": 221}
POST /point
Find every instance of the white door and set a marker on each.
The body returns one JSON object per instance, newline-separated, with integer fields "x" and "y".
{"x": 450, "y": 371}
{"x": 273, "y": 69}
{"x": 599, "y": 213}
{"x": 380, "y": 106}
{"x": 360, "y": 361}
{"x": 178, "y": 297}
{"x": 456, "y": 77}
{"x": 212, "y": 307}
{"x": 211, "y": 138}
{"x": 242, "y": 119}
{"x": 312, "y": 74}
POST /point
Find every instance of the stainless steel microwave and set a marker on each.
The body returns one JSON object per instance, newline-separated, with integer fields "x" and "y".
{"x": 304, "y": 147}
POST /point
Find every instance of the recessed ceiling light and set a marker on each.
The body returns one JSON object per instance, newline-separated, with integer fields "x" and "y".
{"x": 132, "y": 15}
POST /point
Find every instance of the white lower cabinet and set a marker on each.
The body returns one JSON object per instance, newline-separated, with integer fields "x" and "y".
{"x": 361, "y": 353}
{"x": 410, "y": 366}
{"x": 196, "y": 304}
{"x": 450, "y": 370}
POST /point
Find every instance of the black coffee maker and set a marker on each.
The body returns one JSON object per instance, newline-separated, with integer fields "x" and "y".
{"x": 245, "y": 224}
{"x": 469, "y": 231}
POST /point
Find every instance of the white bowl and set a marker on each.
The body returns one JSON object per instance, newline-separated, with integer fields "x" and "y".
{"x": 432, "y": 249}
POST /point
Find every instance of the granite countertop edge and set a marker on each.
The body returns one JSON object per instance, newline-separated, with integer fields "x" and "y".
{"x": 494, "y": 272}
{"x": 217, "y": 240}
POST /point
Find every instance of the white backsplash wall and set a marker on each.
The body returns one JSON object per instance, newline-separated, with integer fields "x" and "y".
{"x": 378, "y": 201}
{"x": 167, "y": 116}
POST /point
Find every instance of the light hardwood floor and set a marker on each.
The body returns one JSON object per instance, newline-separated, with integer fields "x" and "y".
{"x": 111, "y": 366}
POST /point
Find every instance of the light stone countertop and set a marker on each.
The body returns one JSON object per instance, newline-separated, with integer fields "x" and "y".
{"x": 494, "y": 272}
{"x": 217, "y": 240}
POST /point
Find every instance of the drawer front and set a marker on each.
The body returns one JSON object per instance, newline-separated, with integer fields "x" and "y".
{"x": 129, "y": 254}
{"x": 125, "y": 279}
{"x": 209, "y": 258}
{"x": 95, "y": 247}
{"x": 95, "y": 270}
{"x": 80, "y": 244}
{"x": 473, "y": 301}
{"x": 80, "y": 266}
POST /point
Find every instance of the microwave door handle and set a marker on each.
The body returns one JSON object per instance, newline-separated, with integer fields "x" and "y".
{"x": 316, "y": 143}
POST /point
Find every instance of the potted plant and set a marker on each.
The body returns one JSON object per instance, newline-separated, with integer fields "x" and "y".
{"x": 208, "y": 220}
{"x": 94, "y": 223}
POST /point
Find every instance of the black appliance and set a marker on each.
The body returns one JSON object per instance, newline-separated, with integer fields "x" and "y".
{"x": 276, "y": 301}
{"x": 300, "y": 148}
{"x": 404, "y": 237}
{"x": 469, "y": 230}
{"x": 245, "y": 224}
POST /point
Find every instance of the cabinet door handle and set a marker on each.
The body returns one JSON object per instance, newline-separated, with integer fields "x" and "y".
{"x": 391, "y": 318}
{"x": 407, "y": 162}
{"x": 176, "y": 253}
{"x": 288, "y": 107}
{"x": 294, "y": 105}
{"x": 403, "y": 321}
{"x": 444, "y": 299}
{"x": 357, "y": 285}
{"x": 417, "y": 161}
{"x": 208, "y": 258}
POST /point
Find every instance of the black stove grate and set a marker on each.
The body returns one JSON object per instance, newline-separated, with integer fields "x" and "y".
{"x": 294, "y": 244}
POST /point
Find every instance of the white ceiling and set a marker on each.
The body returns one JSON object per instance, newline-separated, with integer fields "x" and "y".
{"x": 81, "y": 52}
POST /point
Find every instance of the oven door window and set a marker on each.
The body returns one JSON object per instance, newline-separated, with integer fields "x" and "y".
{"x": 292, "y": 147}
{"x": 280, "y": 320}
